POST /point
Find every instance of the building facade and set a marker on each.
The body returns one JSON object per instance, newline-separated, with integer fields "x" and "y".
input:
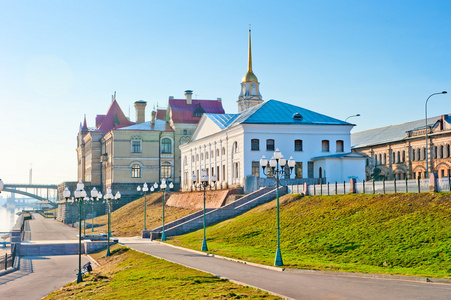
{"x": 121, "y": 154}
{"x": 399, "y": 151}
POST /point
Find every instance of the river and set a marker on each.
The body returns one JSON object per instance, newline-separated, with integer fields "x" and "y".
{"x": 8, "y": 217}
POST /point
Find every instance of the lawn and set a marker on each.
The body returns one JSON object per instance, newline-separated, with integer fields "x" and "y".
{"x": 404, "y": 234}
{"x": 128, "y": 274}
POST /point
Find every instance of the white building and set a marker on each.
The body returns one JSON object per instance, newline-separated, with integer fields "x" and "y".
{"x": 230, "y": 145}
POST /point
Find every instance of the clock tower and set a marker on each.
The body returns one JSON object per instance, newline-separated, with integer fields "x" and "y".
{"x": 250, "y": 87}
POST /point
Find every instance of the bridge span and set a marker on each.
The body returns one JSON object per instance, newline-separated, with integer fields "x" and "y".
{"x": 23, "y": 189}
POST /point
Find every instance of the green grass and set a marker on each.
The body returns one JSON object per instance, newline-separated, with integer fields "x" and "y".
{"x": 404, "y": 234}
{"x": 129, "y": 274}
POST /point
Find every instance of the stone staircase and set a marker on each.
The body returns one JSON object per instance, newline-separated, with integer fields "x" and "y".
{"x": 194, "y": 221}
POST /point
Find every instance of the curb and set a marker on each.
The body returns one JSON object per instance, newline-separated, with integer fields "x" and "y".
{"x": 317, "y": 272}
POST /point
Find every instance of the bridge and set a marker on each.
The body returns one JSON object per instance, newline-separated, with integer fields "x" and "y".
{"x": 22, "y": 189}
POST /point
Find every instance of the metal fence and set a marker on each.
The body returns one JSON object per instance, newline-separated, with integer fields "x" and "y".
{"x": 374, "y": 187}
{"x": 7, "y": 261}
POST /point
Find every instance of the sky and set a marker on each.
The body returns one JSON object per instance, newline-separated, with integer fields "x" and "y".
{"x": 61, "y": 60}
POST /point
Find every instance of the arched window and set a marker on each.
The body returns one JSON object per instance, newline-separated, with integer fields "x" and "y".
{"x": 325, "y": 145}
{"x": 399, "y": 157}
{"x": 418, "y": 154}
{"x": 201, "y": 156}
{"x": 441, "y": 152}
{"x": 185, "y": 131}
{"x": 413, "y": 154}
{"x": 320, "y": 172}
{"x": 255, "y": 144}
{"x": 235, "y": 147}
{"x": 166, "y": 169}
{"x": 298, "y": 145}
{"x": 197, "y": 157}
{"x": 424, "y": 153}
{"x": 435, "y": 155}
{"x": 136, "y": 171}
{"x": 136, "y": 144}
{"x": 340, "y": 146}
{"x": 270, "y": 145}
{"x": 223, "y": 151}
{"x": 380, "y": 159}
{"x": 217, "y": 152}
{"x": 166, "y": 146}
{"x": 206, "y": 155}
{"x": 403, "y": 155}
{"x": 448, "y": 150}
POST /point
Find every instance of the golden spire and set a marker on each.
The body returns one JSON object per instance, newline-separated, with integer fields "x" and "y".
{"x": 250, "y": 76}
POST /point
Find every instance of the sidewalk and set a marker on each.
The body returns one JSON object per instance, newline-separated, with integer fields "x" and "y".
{"x": 40, "y": 275}
{"x": 290, "y": 284}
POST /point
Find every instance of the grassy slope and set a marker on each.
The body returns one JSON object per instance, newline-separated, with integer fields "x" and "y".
{"x": 129, "y": 274}
{"x": 129, "y": 219}
{"x": 405, "y": 234}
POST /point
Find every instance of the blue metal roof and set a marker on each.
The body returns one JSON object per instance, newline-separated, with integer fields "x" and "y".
{"x": 340, "y": 155}
{"x": 274, "y": 112}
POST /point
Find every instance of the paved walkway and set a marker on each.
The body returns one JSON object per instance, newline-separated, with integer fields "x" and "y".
{"x": 295, "y": 285}
{"x": 40, "y": 275}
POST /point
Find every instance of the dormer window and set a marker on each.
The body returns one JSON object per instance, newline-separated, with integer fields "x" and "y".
{"x": 297, "y": 116}
{"x": 198, "y": 112}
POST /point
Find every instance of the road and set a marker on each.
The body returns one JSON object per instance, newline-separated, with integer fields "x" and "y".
{"x": 296, "y": 285}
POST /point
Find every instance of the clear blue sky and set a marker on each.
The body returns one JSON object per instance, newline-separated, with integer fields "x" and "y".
{"x": 60, "y": 60}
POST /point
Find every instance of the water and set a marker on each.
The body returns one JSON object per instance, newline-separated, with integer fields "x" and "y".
{"x": 8, "y": 217}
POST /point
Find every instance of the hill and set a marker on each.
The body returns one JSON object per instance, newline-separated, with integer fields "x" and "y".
{"x": 405, "y": 234}
{"x": 129, "y": 219}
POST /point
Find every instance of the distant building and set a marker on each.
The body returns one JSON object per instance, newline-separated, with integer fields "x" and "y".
{"x": 121, "y": 154}
{"x": 230, "y": 145}
{"x": 400, "y": 150}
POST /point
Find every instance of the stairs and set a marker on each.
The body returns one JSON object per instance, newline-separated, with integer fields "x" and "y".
{"x": 194, "y": 221}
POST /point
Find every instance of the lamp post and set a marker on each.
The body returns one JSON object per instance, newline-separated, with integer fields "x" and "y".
{"x": 66, "y": 195}
{"x": 86, "y": 199}
{"x": 144, "y": 189}
{"x": 94, "y": 194}
{"x": 204, "y": 183}
{"x": 163, "y": 187}
{"x": 357, "y": 115}
{"x": 278, "y": 165}
{"x": 426, "y": 122}
{"x": 79, "y": 194}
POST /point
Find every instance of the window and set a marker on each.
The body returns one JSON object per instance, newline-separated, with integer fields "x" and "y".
{"x": 320, "y": 172}
{"x": 206, "y": 155}
{"x": 443, "y": 173}
{"x": 256, "y": 168}
{"x": 435, "y": 154}
{"x": 399, "y": 157}
{"x": 413, "y": 154}
{"x": 136, "y": 144}
{"x": 192, "y": 158}
{"x": 237, "y": 170}
{"x": 310, "y": 169}
{"x": 197, "y": 157}
{"x": 235, "y": 147}
{"x": 385, "y": 158}
{"x": 217, "y": 152}
{"x": 448, "y": 150}
{"x": 185, "y": 132}
{"x": 340, "y": 146}
{"x": 255, "y": 144}
{"x": 270, "y": 145}
{"x": 418, "y": 154}
{"x": 403, "y": 156}
{"x": 166, "y": 146}
{"x": 223, "y": 151}
{"x": 298, "y": 170}
{"x": 201, "y": 156}
{"x": 325, "y": 146}
{"x": 136, "y": 171}
{"x": 166, "y": 169}
{"x": 298, "y": 145}
{"x": 441, "y": 152}
{"x": 184, "y": 161}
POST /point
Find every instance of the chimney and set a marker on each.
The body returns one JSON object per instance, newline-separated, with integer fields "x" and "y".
{"x": 152, "y": 121}
{"x": 189, "y": 96}
{"x": 140, "y": 107}
{"x": 219, "y": 99}
{"x": 171, "y": 97}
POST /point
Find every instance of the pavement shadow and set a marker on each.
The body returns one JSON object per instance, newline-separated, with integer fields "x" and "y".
{"x": 25, "y": 268}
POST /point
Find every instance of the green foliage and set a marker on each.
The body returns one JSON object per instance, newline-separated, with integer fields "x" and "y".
{"x": 406, "y": 234}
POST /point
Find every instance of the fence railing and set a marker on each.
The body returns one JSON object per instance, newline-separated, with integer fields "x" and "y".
{"x": 374, "y": 187}
{"x": 7, "y": 261}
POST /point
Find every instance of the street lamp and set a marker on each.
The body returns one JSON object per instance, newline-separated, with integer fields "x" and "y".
{"x": 279, "y": 166}
{"x": 109, "y": 198}
{"x": 79, "y": 194}
{"x": 94, "y": 194}
{"x": 144, "y": 189}
{"x": 163, "y": 187}
{"x": 426, "y": 121}
{"x": 357, "y": 115}
{"x": 204, "y": 183}
{"x": 66, "y": 195}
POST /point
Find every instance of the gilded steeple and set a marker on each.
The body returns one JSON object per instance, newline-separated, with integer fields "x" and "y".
{"x": 250, "y": 87}
{"x": 250, "y": 76}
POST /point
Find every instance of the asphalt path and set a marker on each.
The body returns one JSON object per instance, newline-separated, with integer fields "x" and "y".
{"x": 42, "y": 229}
{"x": 295, "y": 285}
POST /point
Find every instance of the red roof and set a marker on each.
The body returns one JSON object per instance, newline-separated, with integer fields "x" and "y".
{"x": 183, "y": 112}
{"x": 161, "y": 114}
{"x": 114, "y": 115}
